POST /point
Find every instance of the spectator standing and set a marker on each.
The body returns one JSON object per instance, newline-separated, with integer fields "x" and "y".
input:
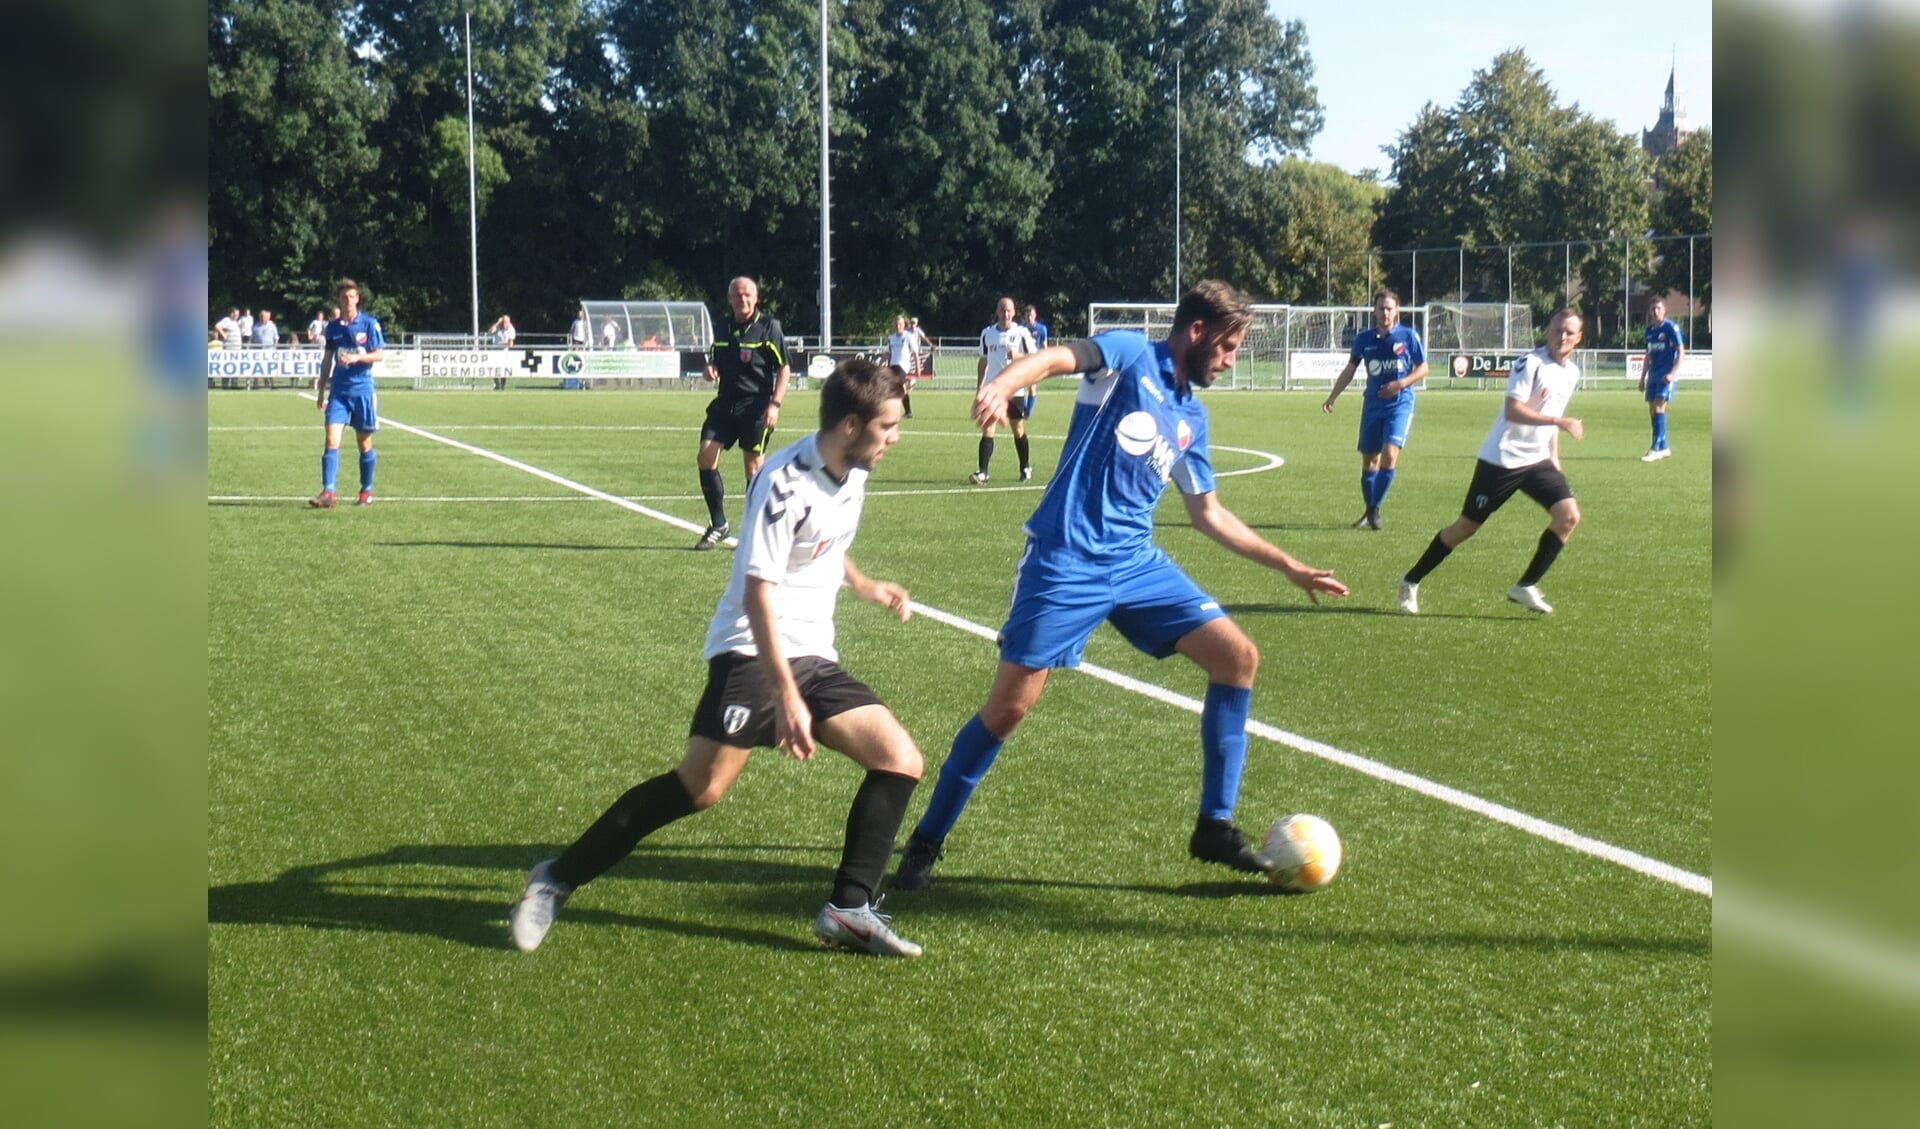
{"x": 317, "y": 328}
{"x": 228, "y": 330}
{"x": 246, "y": 327}
{"x": 503, "y": 335}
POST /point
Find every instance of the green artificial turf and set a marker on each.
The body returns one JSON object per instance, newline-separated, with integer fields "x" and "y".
{"x": 410, "y": 704}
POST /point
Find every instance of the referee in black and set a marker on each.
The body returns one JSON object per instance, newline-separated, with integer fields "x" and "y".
{"x": 749, "y": 361}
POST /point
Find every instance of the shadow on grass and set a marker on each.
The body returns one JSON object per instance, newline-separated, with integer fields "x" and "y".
{"x": 1336, "y": 607}
{"x": 538, "y": 546}
{"x": 429, "y": 890}
{"x": 344, "y": 894}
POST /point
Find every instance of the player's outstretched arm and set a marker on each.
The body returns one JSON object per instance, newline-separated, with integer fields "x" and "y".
{"x": 885, "y": 593}
{"x": 990, "y": 402}
{"x": 1226, "y": 529}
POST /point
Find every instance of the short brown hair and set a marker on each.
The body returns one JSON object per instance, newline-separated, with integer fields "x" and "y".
{"x": 858, "y": 388}
{"x": 344, "y": 285}
{"x": 1223, "y": 308}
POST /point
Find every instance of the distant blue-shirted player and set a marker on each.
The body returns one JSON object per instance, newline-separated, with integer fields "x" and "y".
{"x": 1396, "y": 363}
{"x": 1137, "y": 425}
{"x": 1661, "y": 363}
{"x": 344, "y": 390}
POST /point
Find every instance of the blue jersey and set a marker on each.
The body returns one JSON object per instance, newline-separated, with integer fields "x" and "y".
{"x": 1040, "y": 332}
{"x": 1131, "y": 434}
{"x": 362, "y": 333}
{"x": 1385, "y": 357}
{"x": 1663, "y": 349}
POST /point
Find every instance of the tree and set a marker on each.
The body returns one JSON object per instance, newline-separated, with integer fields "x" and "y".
{"x": 288, "y": 150}
{"x": 1507, "y": 164}
{"x": 1685, "y": 207}
{"x": 1319, "y": 220}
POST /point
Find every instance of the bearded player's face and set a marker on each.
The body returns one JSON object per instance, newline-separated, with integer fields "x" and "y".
{"x": 1212, "y": 355}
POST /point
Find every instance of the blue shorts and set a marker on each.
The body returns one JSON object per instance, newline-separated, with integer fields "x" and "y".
{"x": 360, "y": 409}
{"x": 1057, "y": 604}
{"x": 1659, "y": 392}
{"x": 1389, "y": 425}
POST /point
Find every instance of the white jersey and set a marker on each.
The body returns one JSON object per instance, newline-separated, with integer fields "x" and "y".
{"x": 903, "y": 351}
{"x": 797, "y": 525}
{"x": 1543, "y": 386}
{"x": 1001, "y": 346}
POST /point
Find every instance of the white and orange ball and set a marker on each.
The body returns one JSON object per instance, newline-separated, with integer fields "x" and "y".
{"x": 1304, "y": 851}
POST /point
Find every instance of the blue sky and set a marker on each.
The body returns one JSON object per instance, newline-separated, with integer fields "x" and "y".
{"x": 1378, "y": 65}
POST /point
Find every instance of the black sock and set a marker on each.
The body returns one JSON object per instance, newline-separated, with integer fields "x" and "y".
{"x": 986, "y": 454}
{"x": 1026, "y": 456}
{"x": 646, "y": 808}
{"x": 906, "y": 404}
{"x": 1436, "y": 552}
{"x": 715, "y": 492}
{"x": 872, "y": 824}
{"x": 1543, "y": 557}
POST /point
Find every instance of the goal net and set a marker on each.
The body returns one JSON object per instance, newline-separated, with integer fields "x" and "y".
{"x": 1307, "y": 346}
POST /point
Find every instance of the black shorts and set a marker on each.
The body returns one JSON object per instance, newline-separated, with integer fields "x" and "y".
{"x": 1492, "y": 485}
{"x": 738, "y": 421}
{"x": 1019, "y": 408}
{"x": 737, "y": 707}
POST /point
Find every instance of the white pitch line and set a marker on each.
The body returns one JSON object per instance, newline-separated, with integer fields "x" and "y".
{"x": 1500, "y": 813}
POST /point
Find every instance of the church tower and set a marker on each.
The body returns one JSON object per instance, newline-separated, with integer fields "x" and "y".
{"x": 1671, "y": 128}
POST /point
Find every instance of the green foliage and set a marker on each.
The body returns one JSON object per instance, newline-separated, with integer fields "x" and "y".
{"x": 1508, "y": 164}
{"x": 407, "y": 705}
{"x": 1685, "y": 207}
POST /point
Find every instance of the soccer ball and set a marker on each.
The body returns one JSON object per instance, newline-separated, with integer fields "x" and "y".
{"x": 1304, "y": 851}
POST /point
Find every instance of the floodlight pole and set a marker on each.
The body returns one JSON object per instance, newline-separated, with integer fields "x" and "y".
{"x": 826, "y": 198}
{"x": 1179, "y": 61}
{"x": 473, "y": 192}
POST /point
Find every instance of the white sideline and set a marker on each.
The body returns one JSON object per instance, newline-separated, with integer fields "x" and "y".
{"x": 1552, "y": 832}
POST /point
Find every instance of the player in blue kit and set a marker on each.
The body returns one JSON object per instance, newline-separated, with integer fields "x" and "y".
{"x": 1396, "y": 361}
{"x": 1658, "y": 367}
{"x": 1137, "y": 424}
{"x": 344, "y": 390}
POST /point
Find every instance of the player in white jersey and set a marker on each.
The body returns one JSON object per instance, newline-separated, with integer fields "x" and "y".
{"x": 1000, "y": 343}
{"x": 1521, "y": 453}
{"x": 903, "y": 356}
{"x": 773, "y": 676}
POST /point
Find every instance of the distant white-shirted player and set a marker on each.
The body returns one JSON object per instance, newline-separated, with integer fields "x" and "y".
{"x": 1000, "y": 343}
{"x": 1521, "y": 453}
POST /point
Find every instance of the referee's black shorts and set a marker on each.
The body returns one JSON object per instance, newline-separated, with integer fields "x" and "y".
{"x": 738, "y": 421}
{"x": 1493, "y": 484}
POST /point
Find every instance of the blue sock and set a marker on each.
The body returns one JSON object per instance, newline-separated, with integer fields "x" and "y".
{"x": 366, "y": 471}
{"x": 1369, "y": 480}
{"x": 1223, "y": 745}
{"x": 974, "y": 748}
{"x": 1381, "y": 485}
{"x": 329, "y": 468}
{"x": 1660, "y": 432}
